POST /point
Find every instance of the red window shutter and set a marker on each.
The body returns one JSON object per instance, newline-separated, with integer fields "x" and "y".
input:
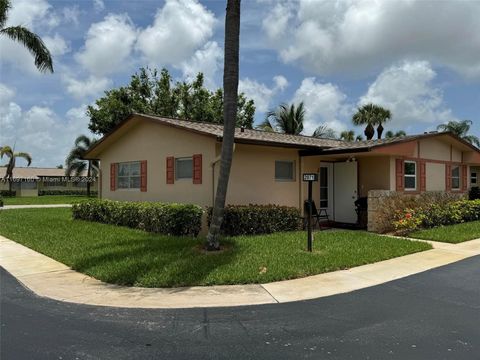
{"x": 464, "y": 178}
{"x": 399, "y": 173}
{"x": 423, "y": 176}
{"x": 170, "y": 169}
{"x": 143, "y": 175}
{"x": 448, "y": 177}
{"x": 197, "y": 168}
{"x": 113, "y": 173}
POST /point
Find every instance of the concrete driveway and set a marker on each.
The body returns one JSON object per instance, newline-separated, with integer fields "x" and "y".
{"x": 431, "y": 315}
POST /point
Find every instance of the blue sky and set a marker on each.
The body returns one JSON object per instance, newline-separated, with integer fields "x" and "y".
{"x": 417, "y": 58}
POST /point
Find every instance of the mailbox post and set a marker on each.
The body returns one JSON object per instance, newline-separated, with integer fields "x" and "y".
{"x": 310, "y": 178}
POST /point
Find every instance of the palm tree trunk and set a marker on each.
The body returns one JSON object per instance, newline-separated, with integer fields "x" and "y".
{"x": 230, "y": 91}
{"x": 88, "y": 177}
{"x": 379, "y": 130}
{"x": 369, "y": 131}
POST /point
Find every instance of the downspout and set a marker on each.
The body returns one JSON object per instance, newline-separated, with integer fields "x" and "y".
{"x": 212, "y": 164}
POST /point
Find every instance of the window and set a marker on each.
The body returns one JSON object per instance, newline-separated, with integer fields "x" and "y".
{"x": 183, "y": 168}
{"x": 455, "y": 177}
{"x": 285, "y": 170}
{"x": 473, "y": 178}
{"x": 410, "y": 175}
{"x": 323, "y": 187}
{"x": 128, "y": 175}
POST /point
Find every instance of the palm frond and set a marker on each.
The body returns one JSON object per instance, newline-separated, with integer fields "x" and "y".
{"x": 83, "y": 141}
{"x": 323, "y": 131}
{"x": 265, "y": 125}
{"x": 76, "y": 167}
{"x": 4, "y": 8}
{"x": 33, "y": 43}
{"x": 472, "y": 139}
{"x": 6, "y": 151}
{"x": 25, "y": 156}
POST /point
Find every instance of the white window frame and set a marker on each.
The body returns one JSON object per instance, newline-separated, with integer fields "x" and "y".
{"x": 459, "y": 177}
{"x": 405, "y": 175}
{"x": 128, "y": 176}
{"x": 293, "y": 171}
{"x": 186, "y": 158}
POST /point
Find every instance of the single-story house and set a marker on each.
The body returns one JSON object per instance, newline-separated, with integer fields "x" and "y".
{"x": 149, "y": 158}
{"x": 32, "y": 181}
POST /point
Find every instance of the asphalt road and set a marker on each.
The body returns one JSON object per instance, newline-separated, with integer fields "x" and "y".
{"x": 433, "y": 315}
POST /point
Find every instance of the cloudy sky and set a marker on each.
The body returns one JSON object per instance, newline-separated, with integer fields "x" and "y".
{"x": 420, "y": 59}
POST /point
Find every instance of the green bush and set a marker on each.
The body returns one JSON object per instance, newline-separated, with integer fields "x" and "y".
{"x": 170, "y": 219}
{"x": 432, "y": 215}
{"x": 8, "y": 193}
{"x": 474, "y": 193}
{"x": 1, "y": 201}
{"x": 66, "y": 192}
{"x": 258, "y": 219}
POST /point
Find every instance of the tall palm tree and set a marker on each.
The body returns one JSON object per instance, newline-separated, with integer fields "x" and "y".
{"x": 287, "y": 119}
{"x": 461, "y": 129}
{"x": 20, "y": 34}
{"x": 348, "y": 135}
{"x": 75, "y": 162}
{"x": 371, "y": 115}
{"x": 230, "y": 91}
{"x": 13, "y": 156}
{"x": 390, "y": 134}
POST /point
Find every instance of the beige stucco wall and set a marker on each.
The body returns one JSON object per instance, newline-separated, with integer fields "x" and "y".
{"x": 435, "y": 149}
{"x": 373, "y": 174}
{"x": 154, "y": 142}
{"x": 252, "y": 177}
{"x": 435, "y": 176}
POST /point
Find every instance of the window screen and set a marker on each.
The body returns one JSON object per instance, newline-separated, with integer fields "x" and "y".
{"x": 455, "y": 177}
{"x": 128, "y": 176}
{"x": 183, "y": 168}
{"x": 410, "y": 175}
{"x": 284, "y": 170}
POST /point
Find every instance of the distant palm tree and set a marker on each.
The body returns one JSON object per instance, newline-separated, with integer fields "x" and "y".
{"x": 75, "y": 162}
{"x": 20, "y": 34}
{"x": 371, "y": 115}
{"x": 230, "y": 90}
{"x": 323, "y": 131}
{"x": 461, "y": 129}
{"x": 359, "y": 138}
{"x": 348, "y": 135}
{"x": 13, "y": 156}
{"x": 390, "y": 134}
{"x": 287, "y": 119}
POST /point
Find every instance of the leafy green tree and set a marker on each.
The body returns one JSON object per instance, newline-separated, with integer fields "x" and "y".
{"x": 287, "y": 119}
{"x": 230, "y": 108}
{"x": 371, "y": 115}
{"x": 359, "y": 138}
{"x": 32, "y": 42}
{"x": 461, "y": 129}
{"x": 390, "y": 134}
{"x": 12, "y": 156}
{"x": 156, "y": 94}
{"x": 77, "y": 165}
{"x": 348, "y": 135}
{"x": 325, "y": 132}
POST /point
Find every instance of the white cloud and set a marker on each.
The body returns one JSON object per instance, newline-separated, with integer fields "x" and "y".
{"x": 180, "y": 28}
{"x": 261, "y": 94}
{"x": 98, "y": 5}
{"x": 207, "y": 60}
{"x": 71, "y": 14}
{"x": 32, "y": 14}
{"x": 407, "y": 90}
{"x": 90, "y": 87}
{"x": 108, "y": 45}
{"x": 324, "y": 103}
{"x": 56, "y": 45}
{"x": 359, "y": 36}
{"x": 39, "y": 130}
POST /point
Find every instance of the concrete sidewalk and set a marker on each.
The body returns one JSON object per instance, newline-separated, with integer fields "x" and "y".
{"x": 41, "y": 206}
{"x": 49, "y": 278}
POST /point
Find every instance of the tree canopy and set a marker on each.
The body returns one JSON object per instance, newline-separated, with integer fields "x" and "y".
{"x": 154, "y": 93}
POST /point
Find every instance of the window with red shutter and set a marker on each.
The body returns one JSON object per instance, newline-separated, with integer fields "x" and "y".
{"x": 113, "y": 175}
{"x": 423, "y": 176}
{"x": 464, "y": 178}
{"x": 448, "y": 177}
{"x": 143, "y": 176}
{"x": 170, "y": 169}
{"x": 399, "y": 168}
{"x": 197, "y": 168}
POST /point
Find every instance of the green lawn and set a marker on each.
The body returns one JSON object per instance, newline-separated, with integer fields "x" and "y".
{"x": 131, "y": 257}
{"x": 451, "y": 234}
{"x": 42, "y": 200}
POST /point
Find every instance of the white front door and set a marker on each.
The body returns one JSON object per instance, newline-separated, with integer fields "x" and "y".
{"x": 345, "y": 191}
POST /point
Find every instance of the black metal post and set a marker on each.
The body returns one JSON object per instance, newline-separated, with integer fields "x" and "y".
{"x": 309, "y": 218}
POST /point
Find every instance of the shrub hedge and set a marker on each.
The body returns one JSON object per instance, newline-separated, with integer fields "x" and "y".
{"x": 66, "y": 192}
{"x": 170, "y": 219}
{"x": 432, "y": 215}
{"x": 258, "y": 219}
{"x": 8, "y": 193}
{"x": 474, "y": 193}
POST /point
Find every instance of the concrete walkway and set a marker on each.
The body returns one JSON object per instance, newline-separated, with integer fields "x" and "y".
{"x": 44, "y": 206}
{"x": 49, "y": 278}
